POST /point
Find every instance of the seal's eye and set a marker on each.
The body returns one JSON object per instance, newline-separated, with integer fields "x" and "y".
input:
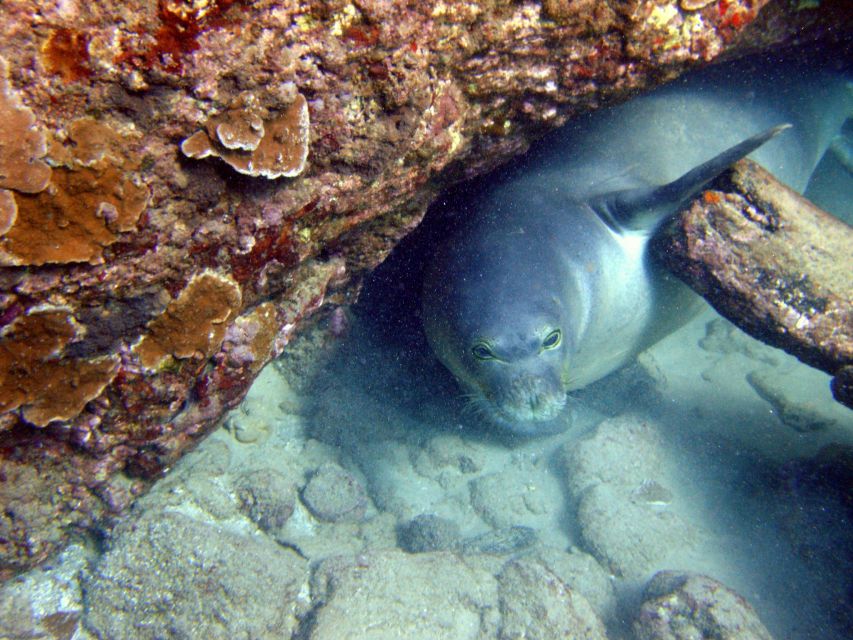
{"x": 552, "y": 340}
{"x": 482, "y": 351}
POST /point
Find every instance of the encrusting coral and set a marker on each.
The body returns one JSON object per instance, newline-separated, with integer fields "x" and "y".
{"x": 88, "y": 200}
{"x": 35, "y": 376}
{"x": 22, "y": 146}
{"x": 274, "y": 147}
{"x": 8, "y": 210}
{"x": 194, "y": 324}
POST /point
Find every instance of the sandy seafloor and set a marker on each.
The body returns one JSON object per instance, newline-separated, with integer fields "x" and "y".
{"x": 698, "y": 458}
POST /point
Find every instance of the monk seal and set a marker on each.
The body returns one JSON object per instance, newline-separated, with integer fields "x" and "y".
{"x": 548, "y": 285}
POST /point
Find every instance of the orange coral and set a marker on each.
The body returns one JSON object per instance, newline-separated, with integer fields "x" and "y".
{"x": 194, "y": 324}
{"x": 93, "y": 141}
{"x": 273, "y": 148}
{"x": 90, "y": 199}
{"x": 22, "y": 146}
{"x": 35, "y": 376}
{"x": 182, "y": 22}
{"x": 66, "y": 52}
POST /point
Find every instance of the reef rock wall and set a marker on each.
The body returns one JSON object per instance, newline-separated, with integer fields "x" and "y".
{"x": 182, "y": 182}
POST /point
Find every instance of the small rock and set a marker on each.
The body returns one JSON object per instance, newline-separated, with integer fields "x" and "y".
{"x": 248, "y": 429}
{"x": 339, "y": 538}
{"x": 501, "y": 500}
{"x": 621, "y": 452}
{"x": 631, "y": 539}
{"x": 207, "y": 493}
{"x": 721, "y": 336}
{"x": 624, "y": 487}
{"x": 390, "y": 595}
{"x": 428, "y": 532}
{"x": 266, "y": 498}
{"x": 335, "y": 495}
{"x": 167, "y": 575}
{"x": 536, "y": 604}
{"x": 801, "y": 399}
{"x": 685, "y": 606}
{"x": 581, "y": 573}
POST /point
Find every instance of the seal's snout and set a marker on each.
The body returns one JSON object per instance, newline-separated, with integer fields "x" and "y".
{"x": 531, "y": 398}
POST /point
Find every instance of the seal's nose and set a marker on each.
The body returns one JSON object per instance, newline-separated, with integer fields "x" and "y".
{"x": 533, "y": 397}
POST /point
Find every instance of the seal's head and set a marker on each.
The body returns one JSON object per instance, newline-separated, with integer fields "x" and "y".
{"x": 501, "y": 331}
{"x": 514, "y": 374}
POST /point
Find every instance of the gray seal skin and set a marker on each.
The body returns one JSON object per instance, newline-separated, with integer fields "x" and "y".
{"x": 548, "y": 286}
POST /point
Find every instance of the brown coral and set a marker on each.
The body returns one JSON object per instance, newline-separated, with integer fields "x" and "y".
{"x": 194, "y": 324}
{"x": 22, "y": 146}
{"x": 87, "y": 203}
{"x": 66, "y": 53}
{"x": 35, "y": 375}
{"x": 273, "y": 148}
{"x": 8, "y": 210}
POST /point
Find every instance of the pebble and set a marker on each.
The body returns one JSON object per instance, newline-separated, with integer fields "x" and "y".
{"x": 334, "y": 495}
{"x": 427, "y": 532}
{"x": 266, "y": 497}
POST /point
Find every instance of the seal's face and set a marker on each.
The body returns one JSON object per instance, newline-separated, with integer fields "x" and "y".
{"x": 514, "y": 376}
{"x": 519, "y": 379}
{"x": 494, "y": 314}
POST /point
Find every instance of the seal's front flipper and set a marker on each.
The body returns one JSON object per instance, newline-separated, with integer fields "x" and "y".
{"x": 645, "y": 208}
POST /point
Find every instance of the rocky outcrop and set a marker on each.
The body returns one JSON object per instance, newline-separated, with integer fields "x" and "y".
{"x": 182, "y": 183}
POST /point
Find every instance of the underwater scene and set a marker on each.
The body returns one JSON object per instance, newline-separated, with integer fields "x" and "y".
{"x": 702, "y": 490}
{"x": 352, "y": 495}
{"x": 527, "y": 424}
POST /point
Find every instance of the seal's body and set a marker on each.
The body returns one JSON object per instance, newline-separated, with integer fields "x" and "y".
{"x": 548, "y": 284}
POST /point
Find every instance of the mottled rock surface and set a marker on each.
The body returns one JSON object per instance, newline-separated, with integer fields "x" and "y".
{"x": 391, "y": 595}
{"x": 335, "y": 495}
{"x": 623, "y": 488}
{"x": 581, "y": 573}
{"x": 170, "y": 576}
{"x": 536, "y": 605}
{"x": 684, "y": 606}
{"x": 428, "y": 532}
{"x": 266, "y": 497}
{"x": 145, "y": 282}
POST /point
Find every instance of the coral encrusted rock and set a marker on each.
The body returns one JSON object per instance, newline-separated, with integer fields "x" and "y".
{"x": 182, "y": 184}
{"x": 173, "y": 576}
{"x": 683, "y": 606}
{"x": 274, "y": 147}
